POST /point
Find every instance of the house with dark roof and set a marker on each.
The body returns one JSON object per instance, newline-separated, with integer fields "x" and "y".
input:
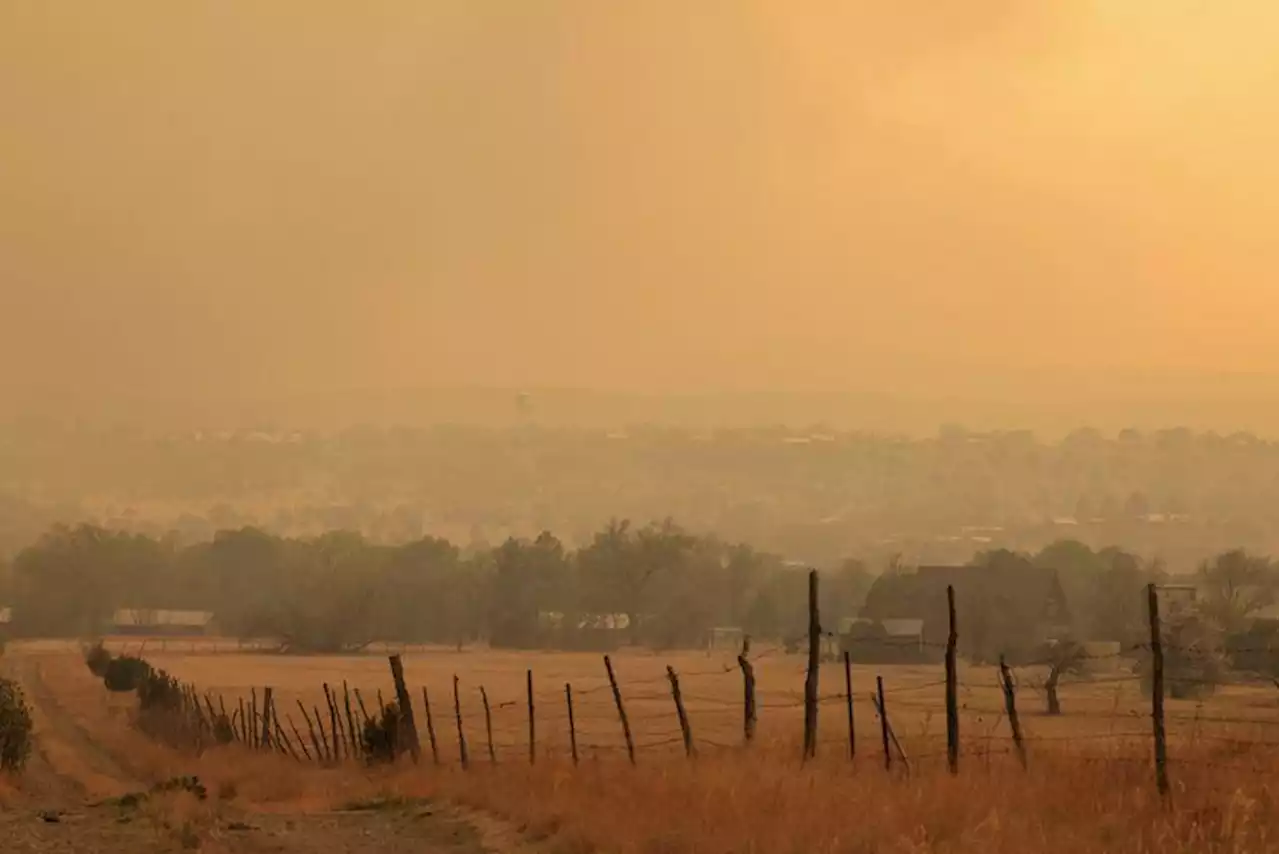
{"x": 1000, "y": 609}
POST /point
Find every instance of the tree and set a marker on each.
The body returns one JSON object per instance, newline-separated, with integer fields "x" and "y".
{"x": 528, "y": 579}
{"x": 64, "y": 583}
{"x": 1233, "y": 585}
{"x": 620, "y": 564}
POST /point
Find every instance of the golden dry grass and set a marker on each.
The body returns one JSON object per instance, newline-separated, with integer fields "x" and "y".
{"x": 1089, "y": 787}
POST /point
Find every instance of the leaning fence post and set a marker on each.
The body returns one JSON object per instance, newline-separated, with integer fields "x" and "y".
{"x": 330, "y": 753}
{"x": 1157, "y": 690}
{"x": 680, "y": 713}
{"x": 311, "y": 730}
{"x": 953, "y": 712}
{"x": 573, "y": 733}
{"x": 408, "y": 727}
{"x": 622, "y": 711}
{"x": 811, "y": 674}
{"x": 528, "y": 690}
{"x": 748, "y": 691}
{"x": 431, "y": 727}
{"x": 302, "y": 744}
{"x": 848, "y": 701}
{"x": 1011, "y": 709}
{"x": 457, "y": 713}
{"x": 488, "y": 726}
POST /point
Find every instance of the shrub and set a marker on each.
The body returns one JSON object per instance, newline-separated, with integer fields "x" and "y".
{"x": 125, "y": 673}
{"x": 15, "y": 726}
{"x": 381, "y": 735}
{"x": 98, "y": 659}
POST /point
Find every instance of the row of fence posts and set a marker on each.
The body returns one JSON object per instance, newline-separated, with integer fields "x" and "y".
{"x": 889, "y": 740}
{"x": 260, "y": 728}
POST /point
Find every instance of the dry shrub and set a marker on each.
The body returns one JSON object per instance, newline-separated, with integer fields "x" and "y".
{"x": 125, "y": 673}
{"x": 15, "y": 727}
{"x": 97, "y": 658}
{"x": 381, "y": 735}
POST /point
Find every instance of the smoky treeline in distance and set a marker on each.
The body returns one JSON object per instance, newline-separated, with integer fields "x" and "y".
{"x": 656, "y": 585}
{"x": 813, "y": 495}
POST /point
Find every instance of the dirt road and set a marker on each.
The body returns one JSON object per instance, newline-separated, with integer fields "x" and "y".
{"x": 76, "y": 795}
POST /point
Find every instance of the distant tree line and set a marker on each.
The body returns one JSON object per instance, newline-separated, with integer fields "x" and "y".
{"x": 813, "y": 493}
{"x": 658, "y": 585}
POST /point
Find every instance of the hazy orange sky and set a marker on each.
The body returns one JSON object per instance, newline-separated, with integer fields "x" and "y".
{"x": 241, "y": 198}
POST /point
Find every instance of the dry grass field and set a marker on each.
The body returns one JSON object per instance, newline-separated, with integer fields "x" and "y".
{"x": 1089, "y": 785}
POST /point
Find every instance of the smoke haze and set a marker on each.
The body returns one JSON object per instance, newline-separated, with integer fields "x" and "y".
{"x": 243, "y": 204}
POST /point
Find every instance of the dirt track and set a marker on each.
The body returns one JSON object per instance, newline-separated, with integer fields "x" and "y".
{"x": 76, "y": 795}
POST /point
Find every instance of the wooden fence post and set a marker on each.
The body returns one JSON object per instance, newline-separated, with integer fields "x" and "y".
{"x": 267, "y": 731}
{"x": 252, "y": 722}
{"x": 431, "y": 727}
{"x": 1011, "y": 709}
{"x": 573, "y": 733}
{"x": 953, "y": 711}
{"x": 528, "y": 690}
{"x": 302, "y": 744}
{"x": 408, "y": 727}
{"x": 1157, "y": 690}
{"x": 325, "y": 740}
{"x": 887, "y": 735}
{"x": 457, "y": 713}
{"x": 622, "y": 711}
{"x": 748, "y": 692}
{"x": 685, "y": 733}
{"x": 364, "y": 712}
{"x": 878, "y": 699}
{"x": 356, "y": 737}
{"x": 311, "y": 730}
{"x": 335, "y": 724}
{"x": 488, "y": 726}
{"x": 811, "y": 674}
{"x": 848, "y": 701}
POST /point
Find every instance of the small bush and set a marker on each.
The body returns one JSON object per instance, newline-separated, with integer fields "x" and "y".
{"x": 125, "y": 673}
{"x": 98, "y": 659}
{"x": 158, "y": 691}
{"x": 381, "y": 735}
{"x": 15, "y": 726}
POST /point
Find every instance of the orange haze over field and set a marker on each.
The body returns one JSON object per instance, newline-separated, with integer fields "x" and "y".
{"x": 244, "y": 200}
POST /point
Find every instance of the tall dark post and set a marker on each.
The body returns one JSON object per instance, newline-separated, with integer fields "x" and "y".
{"x": 573, "y": 732}
{"x": 1157, "y": 690}
{"x": 953, "y": 712}
{"x": 528, "y": 690}
{"x": 748, "y": 692}
{"x": 408, "y": 729}
{"x": 848, "y": 700}
{"x": 457, "y": 714}
{"x": 811, "y": 675}
{"x": 488, "y": 726}
{"x": 685, "y": 732}
{"x": 622, "y": 711}
{"x": 1011, "y": 709}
